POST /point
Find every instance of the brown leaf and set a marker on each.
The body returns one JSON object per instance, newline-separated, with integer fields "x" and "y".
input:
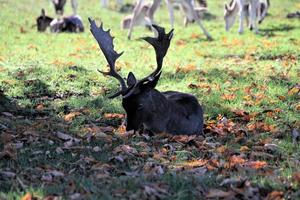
{"x": 296, "y": 177}
{"x": 69, "y": 117}
{"x": 221, "y": 149}
{"x": 125, "y": 149}
{"x": 256, "y": 164}
{"x": 22, "y": 30}
{"x": 275, "y": 195}
{"x": 40, "y": 107}
{"x": 233, "y": 161}
{"x": 228, "y": 97}
{"x": 186, "y": 69}
{"x": 215, "y": 193}
{"x": 114, "y": 116}
{"x": 244, "y": 149}
{"x": 28, "y": 196}
{"x": 9, "y": 151}
{"x": 194, "y": 163}
{"x": 183, "y": 138}
{"x": 294, "y": 90}
{"x": 180, "y": 43}
{"x": 297, "y": 107}
{"x": 6, "y": 137}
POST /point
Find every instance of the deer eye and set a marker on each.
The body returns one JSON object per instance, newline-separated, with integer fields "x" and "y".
{"x": 140, "y": 107}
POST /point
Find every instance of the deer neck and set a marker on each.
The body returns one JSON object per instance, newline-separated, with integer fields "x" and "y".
{"x": 234, "y": 7}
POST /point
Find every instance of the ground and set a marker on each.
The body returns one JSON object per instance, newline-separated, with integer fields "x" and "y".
{"x": 62, "y": 137}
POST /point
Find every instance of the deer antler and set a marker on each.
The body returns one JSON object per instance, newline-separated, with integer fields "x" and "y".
{"x": 105, "y": 41}
{"x": 161, "y": 45}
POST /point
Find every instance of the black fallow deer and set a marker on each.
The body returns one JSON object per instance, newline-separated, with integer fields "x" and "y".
{"x": 147, "y": 108}
{"x": 72, "y": 24}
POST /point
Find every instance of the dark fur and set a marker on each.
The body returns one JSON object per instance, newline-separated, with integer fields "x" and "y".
{"x": 171, "y": 112}
{"x": 43, "y": 22}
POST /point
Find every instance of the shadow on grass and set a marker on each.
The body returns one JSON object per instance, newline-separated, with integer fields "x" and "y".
{"x": 270, "y": 32}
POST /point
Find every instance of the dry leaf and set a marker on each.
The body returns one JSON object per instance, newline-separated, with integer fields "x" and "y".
{"x": 27, "y": 196}
{"x": 256, "y": 164}
{"x": 228, "y": 97}
{"x": 275, "y": 195}
{"x": 69, "y": 117}
{"x": 114, "y": 116}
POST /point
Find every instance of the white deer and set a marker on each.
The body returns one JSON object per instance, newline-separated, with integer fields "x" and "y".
{"x": 238, "y": 7}
{"x": 143, "y": 14}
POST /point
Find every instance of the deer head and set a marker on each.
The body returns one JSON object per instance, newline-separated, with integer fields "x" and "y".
{"x": 230, "y": 13}
{"x": 43, "y": 21}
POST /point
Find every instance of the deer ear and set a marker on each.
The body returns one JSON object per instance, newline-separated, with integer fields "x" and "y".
{"x": 43, "y": 14}
{"x": 131, "y": 80}
{"x": 226, "y": 7}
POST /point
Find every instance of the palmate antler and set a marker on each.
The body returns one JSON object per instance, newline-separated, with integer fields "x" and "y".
{"x": 161, "y": 45}
{"x": 105, "y": 41}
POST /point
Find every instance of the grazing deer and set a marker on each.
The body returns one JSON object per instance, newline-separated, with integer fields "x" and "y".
{"x": 147, "y": 108}
{"x": 262, "y": 11}
{"x": 237, "y": 7}
{"x": 140, "y": 17}
{"x": 71, "y": 23}
{"x": 59, "y": 6}
{"x": 147, "y": 15}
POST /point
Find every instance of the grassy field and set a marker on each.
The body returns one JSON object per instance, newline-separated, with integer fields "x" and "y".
{"x": 62, "y": 137}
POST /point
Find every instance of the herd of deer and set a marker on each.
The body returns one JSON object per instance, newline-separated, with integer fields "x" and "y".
{"x": 144, "y": 11}
{"x": 146, "y": 108}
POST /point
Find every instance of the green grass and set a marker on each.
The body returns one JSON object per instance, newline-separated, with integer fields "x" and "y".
{"x": 59, "y": 72}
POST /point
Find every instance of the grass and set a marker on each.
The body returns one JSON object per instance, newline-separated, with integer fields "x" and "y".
{"x": 51, "y": 75}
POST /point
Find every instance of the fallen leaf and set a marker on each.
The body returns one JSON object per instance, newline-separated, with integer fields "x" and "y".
{"x": 256, "y": 164}
{"x": 296, "y": 177}
{"x": 114, "y": 116}
{"x": 275, "y": 195}
{"x": 27, "y": 196}
{"x": 228, "y": 97}
{"x": 294, "y": 90}
{"x": 194, "y": 163}
{"x": 244, "y": 149}
{"x": 125, "y": 149}
{"x": 186, "y": 69}
{"x": 69, "y": 117}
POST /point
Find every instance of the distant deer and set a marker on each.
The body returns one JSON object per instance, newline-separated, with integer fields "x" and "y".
{"x": 262, "y": 11}
{"x": 59, "y": 6}
{"x": 241, "y": 8}
{"x": 147, "y": 108}
{"x": 147, "y": 15}
{"x": 71, "y": 23}
{"x": 140, "y": 17}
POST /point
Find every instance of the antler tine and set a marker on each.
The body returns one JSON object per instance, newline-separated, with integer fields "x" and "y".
{"x": 105, "y": 41}
{"x": 161, "y": 45}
